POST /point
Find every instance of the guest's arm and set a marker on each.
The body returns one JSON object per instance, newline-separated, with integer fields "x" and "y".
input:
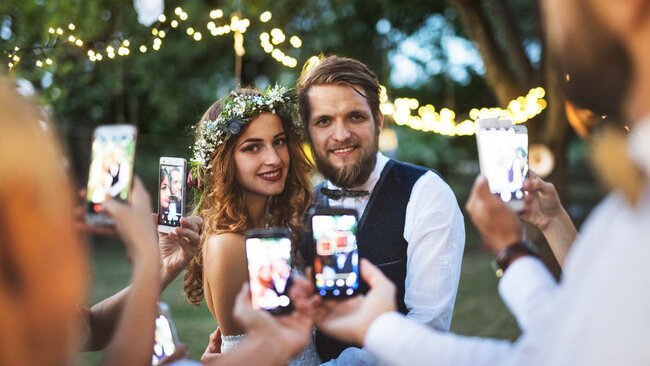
{"x": 371, "y": 320}
{"x": 133, "y": 339}
{"x": 544, "y": 210}
{"x": 176, "y": 250}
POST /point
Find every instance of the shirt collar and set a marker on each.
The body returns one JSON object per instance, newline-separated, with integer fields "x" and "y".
{"x": 369, "y": 185}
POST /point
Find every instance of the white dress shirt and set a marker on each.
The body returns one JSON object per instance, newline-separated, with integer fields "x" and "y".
{"x": 598, "y": 315}
{"x": 435, "y": 232}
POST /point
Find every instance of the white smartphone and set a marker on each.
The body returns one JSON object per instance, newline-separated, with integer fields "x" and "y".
{"x": 171, "y": 194}
{"x": 111, "y": 169}
{"x": 165, "y": 335}
{"x": 503, "y": 158}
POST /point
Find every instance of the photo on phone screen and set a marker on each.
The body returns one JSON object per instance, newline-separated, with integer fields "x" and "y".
{"x": 171, "y": 199}
{"x": 336, "y": 261}
{"x": 165, "y": 335}
{"x": 503, "y": 156}
{"x": 269, "y": 269}
{"x": 111, "y": 167}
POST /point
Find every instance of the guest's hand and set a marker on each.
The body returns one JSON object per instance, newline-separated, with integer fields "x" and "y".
{"x": 133, "y": 223}
{"x": 178, "y": 247}
{"x": 213, "y": 350}
{"x": 349, "y": 320}
{"x": 80, "y": 220}
{"x": 541, "y": 203}
{"x": 179, "y": 354}
{"x": 496, "y": 222}
{"x": 289, "y": 333}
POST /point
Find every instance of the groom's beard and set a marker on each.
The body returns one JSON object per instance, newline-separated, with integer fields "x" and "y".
{"x": 353, "y": 174}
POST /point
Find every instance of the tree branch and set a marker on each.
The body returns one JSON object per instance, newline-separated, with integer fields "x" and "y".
{"x": 497, "y": 72}
{"x": 514, "y": 47}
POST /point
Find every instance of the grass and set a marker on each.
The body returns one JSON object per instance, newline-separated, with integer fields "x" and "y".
{"x": 478, "y": 311}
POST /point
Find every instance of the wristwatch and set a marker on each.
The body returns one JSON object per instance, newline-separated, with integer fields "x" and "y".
{"x": 508, "y": 255}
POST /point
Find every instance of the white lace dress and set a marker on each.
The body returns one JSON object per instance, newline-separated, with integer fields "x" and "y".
{"x": 308, "y": 357}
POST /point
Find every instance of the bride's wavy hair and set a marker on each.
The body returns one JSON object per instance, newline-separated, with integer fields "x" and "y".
{"x": 222, "y": 201}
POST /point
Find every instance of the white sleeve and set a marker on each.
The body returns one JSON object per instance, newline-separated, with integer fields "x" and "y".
{"x": 435, "y": 233}
{"x": 527, "y": 288}
{"x": 395, "y": 340}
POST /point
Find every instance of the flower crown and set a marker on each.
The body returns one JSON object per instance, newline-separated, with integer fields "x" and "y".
{"x": 238, "y": 109}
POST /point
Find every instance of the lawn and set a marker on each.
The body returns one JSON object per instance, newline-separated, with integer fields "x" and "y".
{"x": 479, "y": 311}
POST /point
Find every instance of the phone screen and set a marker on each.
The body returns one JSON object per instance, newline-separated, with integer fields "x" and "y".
{"x": 171, "y": 194}
{"x": 164, "y": 339}
{"x": 504, "y": 160}
{"x": 336, "y": 263}
{"x": 269, "y": 270}
{"x": 111, "y": 169}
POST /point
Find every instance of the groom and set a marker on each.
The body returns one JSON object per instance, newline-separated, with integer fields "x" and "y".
{"x": 410, "y": 224}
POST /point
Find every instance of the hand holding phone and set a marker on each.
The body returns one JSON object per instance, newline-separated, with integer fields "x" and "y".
{"x": 171, "y": 197}
{"x": 269, "y": 269}
{"x": 111, "y": 169}
{"x": 336, "y": 260}
{"x": 503, "y": 157}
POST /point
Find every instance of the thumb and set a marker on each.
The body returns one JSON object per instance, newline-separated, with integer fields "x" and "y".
{"x": 111, "y": 207}
{"x": 372, "y": 275}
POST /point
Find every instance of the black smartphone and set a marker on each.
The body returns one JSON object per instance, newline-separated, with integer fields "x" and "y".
{"x": 336, "y": 257}
{"x": 171, "y": 197}
{"x": 165, "y": 335}
{"x": 269, "y": 269}
{"x": 111, "y": 169}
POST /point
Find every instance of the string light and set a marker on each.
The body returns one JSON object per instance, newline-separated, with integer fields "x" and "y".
{"x": 216, "y": 14}
{"x": 236, "y": 24}
{"x": 444, "y": 122}
{"x": 265, "y": 16}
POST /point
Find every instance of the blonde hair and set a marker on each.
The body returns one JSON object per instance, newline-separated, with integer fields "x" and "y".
{"x": 42, "y": 261}
{"x": 222, "y": 202}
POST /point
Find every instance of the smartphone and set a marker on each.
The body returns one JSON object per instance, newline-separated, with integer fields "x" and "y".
{"x": 171, "y": 196}
{"x": 165, "y": 335}
{"x": 503, "y": 158}
{"x": 269, "y": 269}
{"x": 111, "y": 169}
{"x": 336, "y": 256}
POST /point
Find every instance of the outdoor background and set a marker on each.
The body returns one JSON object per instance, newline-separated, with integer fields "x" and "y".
{"x": 455, "y": 54}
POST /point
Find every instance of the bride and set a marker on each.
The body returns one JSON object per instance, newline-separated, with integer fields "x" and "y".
{"x": 251, "y": 172}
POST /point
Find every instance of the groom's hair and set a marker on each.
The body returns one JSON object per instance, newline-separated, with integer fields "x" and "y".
{"x": 335, "y": 70}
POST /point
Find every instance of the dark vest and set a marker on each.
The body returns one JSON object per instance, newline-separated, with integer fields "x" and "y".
{"x": 380, "y": 235}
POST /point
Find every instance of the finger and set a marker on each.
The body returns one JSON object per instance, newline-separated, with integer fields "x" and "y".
{"x": 94, "y": 229}
{"x": 179, "y": 353}
{"x": 154, "y": 218}
{"x": 373, "y": 275}
{"x": 478, "y": 185}
{"x": 193, "y": 223}
{"x": 112, "y": 207}
{"x": 140, "y": 198}
{"x": 190, "y": 237}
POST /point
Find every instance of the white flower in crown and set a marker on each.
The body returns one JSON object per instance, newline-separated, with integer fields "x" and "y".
{"x": 238, "y": 109}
